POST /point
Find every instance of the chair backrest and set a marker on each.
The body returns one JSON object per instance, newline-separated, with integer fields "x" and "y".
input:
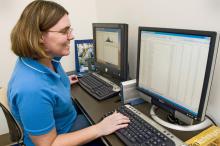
{"x": 15, "y": 131}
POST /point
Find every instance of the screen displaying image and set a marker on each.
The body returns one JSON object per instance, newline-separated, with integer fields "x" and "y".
{"x": 108, "y": 46}
{"x": 172, "y": 66}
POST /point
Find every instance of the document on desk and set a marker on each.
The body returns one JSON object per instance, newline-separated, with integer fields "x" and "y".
{"x": 208, "y": 137}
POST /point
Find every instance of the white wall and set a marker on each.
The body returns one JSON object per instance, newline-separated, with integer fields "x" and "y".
{"x": 188, "y": 14}
{"x": 82, "y": 14}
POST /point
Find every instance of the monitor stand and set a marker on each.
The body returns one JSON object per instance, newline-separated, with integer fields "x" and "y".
{"x": 195, "y": 127}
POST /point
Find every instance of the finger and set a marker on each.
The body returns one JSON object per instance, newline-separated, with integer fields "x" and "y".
{"x": 121, "y": 126}
{"x": 113, "y": 114}
{"x": 72, "y": 75}
{"x": 74, "y": 81}
{"x": 74, "y": 78}
{"x": 123, "y": 121}
{"x": 117, "y": 117}
{"x": 117, "y": 114}
{"x": 120, "y": 116}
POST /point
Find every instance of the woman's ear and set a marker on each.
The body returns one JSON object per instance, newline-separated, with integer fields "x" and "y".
{"x": 42, "y": 39}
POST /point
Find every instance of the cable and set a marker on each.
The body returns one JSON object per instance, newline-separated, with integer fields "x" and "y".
{"x": 211, "y": 120}
{"x": 172, "y": 119}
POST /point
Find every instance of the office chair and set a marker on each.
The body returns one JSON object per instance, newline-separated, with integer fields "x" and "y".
{"x": 15, "y": 131}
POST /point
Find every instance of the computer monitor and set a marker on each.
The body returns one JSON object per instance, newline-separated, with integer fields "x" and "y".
{"x": 111, "y": 49}
{"x": 175, "y": 68}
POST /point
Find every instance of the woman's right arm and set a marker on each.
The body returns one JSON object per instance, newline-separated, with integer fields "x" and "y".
{"x": 107, "y": 126}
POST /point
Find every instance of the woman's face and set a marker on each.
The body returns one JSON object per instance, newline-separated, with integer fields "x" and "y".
{"x": 57, "y": 39}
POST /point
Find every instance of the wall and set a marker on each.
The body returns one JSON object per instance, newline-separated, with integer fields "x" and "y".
{"x": 82, "y": 13}
{"x": 188, "y": 14}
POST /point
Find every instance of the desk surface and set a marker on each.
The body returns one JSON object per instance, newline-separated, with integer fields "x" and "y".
{"x": 95, "y": 110}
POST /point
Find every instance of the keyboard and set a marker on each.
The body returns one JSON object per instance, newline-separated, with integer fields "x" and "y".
{"x": 143, "y": 131}
{"x": 98, "y": 86}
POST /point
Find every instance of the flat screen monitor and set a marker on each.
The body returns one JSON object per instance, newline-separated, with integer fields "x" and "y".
{"x": 175, "y": 68}
{"x": 111, "y": 49}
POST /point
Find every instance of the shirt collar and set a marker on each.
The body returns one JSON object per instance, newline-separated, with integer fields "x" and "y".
{"x": 35, "y": 65}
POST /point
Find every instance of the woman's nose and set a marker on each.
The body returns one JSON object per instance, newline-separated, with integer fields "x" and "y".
{"x": 70, "y": 36}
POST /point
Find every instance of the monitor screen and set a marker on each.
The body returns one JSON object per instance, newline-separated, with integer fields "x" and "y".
{"x": 111, "y": 45}
{"x": 108, "y": 43}
{"x": 174, "y": 68}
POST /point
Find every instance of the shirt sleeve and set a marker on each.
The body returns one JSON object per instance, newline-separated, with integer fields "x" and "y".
{"x": 36, "y": 111}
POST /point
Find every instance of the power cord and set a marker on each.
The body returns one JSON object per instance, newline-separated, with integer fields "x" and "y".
{"x": 211, "y": 120}
{"x": 172, "y": 119}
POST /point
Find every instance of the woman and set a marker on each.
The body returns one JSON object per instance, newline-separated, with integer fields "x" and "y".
{"x": 39, "y": 90}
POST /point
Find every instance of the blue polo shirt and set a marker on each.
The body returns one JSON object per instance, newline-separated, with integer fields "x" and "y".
{"x": 40, "y": 98}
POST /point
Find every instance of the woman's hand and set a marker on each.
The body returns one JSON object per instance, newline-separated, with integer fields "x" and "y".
{"x": 73, "y": 79}
{"x": 112, "y": 123}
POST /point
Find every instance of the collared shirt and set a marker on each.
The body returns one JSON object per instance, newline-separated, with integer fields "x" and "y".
{"x": 40, "y": 98}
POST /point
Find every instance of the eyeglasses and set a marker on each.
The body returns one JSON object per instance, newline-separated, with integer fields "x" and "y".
{"x": 65, "y": 31}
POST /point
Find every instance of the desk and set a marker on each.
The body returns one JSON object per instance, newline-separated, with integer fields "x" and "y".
{"x": 94, "y": 110}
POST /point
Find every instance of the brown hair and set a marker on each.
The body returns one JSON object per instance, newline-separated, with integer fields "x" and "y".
{"x": 38, "y": 17}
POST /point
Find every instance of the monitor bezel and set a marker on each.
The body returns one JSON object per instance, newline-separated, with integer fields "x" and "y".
{"x": 207, "y": 78}
{"x": 112, "y": 70}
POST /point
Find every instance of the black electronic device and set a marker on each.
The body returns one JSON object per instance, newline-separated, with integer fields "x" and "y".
{"x": 143, "y": 131}
{"x": 175, "y": 68}
{"x": 99, "y": 87}
{"x": 111, "y": 49}
{"x": 111, "y": 60}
